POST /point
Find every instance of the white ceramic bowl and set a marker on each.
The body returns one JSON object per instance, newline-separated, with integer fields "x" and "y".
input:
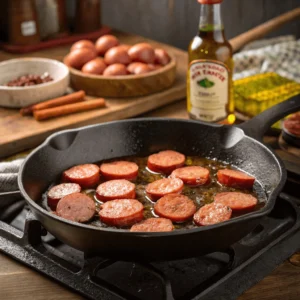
{"x": 28, "y": 95}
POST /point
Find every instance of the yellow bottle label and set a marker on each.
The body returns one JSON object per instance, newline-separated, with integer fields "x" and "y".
{"x": 208, "y": 90}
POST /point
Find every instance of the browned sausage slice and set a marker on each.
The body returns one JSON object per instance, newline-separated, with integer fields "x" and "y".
{"x": 192, "y": 175}
{"x": 76, "y": 207}
{"x": 236, "y": 201}
{"x": 121, "y": 213}
{"x": 165, "y": 161}
{"x": 119, "y": 170}
{"x": 213, "y": 213}
{"x": 234, "y": 178}
{"x": 177, "y": 208}
{"x": 162, "y": 187}
{"x": 115, "y": 189}
{"x": 292, "y": 124}
{"x": 87, "y": 175}
{"x": 59, "y": 191}
{"x": 153, "y": 225}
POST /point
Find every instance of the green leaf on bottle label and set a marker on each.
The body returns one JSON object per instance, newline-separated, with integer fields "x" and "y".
{"x": 205, "y": 83}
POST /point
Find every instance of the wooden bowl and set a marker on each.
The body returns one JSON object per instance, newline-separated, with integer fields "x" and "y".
{"x": 125, "y": 85}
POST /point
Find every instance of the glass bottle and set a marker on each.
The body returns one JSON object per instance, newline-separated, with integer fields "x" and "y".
{"x": 87, "y": 16}
{"x": 209, "y": 77}
{"x": 52, "y": 18}
{"x": 23, "y": 27}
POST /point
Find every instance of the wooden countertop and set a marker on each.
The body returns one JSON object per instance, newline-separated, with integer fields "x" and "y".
{"x": 20, "y": 282}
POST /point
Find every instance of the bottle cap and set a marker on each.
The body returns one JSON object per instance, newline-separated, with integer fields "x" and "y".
{"x": 210, "y": 1}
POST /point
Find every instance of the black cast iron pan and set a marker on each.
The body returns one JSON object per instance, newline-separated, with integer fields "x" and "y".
{"x": 240, "y": 146}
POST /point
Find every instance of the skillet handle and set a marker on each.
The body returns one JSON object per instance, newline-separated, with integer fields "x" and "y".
{"x": 258, "y": 126}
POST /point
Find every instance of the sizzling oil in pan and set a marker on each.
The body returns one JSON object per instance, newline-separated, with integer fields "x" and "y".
{"x": 201, "y": 195}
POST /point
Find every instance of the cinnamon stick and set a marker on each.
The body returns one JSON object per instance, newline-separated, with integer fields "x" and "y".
{"x": 48, "y": 113}
{"x": 68, "y": 99}
{"x": 26, "y": 111}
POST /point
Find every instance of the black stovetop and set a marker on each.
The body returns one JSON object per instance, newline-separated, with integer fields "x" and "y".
{"x": 219, "y": 276}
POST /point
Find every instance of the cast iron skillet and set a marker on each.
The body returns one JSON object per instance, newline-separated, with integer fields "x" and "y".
{"x": 240, "y": 146}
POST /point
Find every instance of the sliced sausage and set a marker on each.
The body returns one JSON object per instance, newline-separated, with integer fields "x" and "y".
{"x": 292, "y": 125}
{"x": 119, "y": 170}
{"x": 87, "y": 176}
{"x": 115, "y": 189}
{"x": 59, "y": 191}
{"x": 165, "y": 161}
{"x": 213, "y": 213}
{"x": 162, "y": 187}
{"x": 237, "y": 201}
{"x": 234, "y": 178}
{"x": 121, "y": 213}
{"x": 295, "y": 116}
{"x": 76, "y": 207}
{"x": 153, "y": 225}
{"x": 177, "y": 208}
{"x": 192, "y": 175}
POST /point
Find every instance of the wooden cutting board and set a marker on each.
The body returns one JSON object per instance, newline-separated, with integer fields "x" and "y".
{"x": 18, "y": 133}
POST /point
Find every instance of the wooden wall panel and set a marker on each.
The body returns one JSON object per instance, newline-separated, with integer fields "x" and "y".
{"x": 175, "y": 21}
{"x": 242, "y": 15}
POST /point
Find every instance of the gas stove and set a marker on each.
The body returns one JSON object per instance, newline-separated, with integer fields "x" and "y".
{"x": 218, "y": 275}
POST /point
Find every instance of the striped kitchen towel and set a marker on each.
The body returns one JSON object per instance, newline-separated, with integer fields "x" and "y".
{"x": 278, "y": 55}
{"x": 9, "y": 174}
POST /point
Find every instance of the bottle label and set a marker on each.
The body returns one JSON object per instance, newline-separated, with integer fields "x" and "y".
{"x": 28, "y": 28}
{"x": 209, "y": 90}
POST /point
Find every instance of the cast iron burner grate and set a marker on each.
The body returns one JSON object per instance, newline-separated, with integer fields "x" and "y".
{"x": 215, "y": 276}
